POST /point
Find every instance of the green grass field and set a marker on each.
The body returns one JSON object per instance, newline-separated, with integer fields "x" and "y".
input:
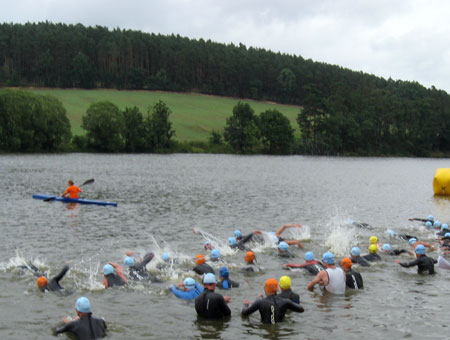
{"x": 193, "y": 116}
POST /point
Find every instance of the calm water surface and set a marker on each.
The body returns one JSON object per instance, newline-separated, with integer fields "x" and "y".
{"x": 163, "y": 197}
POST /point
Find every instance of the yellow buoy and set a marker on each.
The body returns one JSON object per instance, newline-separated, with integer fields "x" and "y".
{"x": 441, "y": 181}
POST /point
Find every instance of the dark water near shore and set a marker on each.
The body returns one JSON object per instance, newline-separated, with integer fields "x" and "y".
{"x": 162, "y": 197}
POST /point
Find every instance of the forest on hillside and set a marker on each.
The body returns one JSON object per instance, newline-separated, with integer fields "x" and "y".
{"x": 344, "y": 112}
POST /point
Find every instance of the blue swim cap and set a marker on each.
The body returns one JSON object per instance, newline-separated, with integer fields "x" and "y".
{"x": 207, "y": 242}
{"x": 447, "y": 235}
{"x": 83, "y": 305}
{"x": 309, "y": 256}
{"x": 437, "y": 224}
{"x": 215, "y": 253}
{"x": 392, "y": 233}
{"x": 355, "y": 251}
{"x": 165, "y": 257}
{"x": 189, "y": 283}
{"x": 444, "y": 226}
{"x": 412, "y": 240}
{"x": 232, "y": 241}
{"x": 328, "y": 257}
{"x": 237, "y": 233}
{"x": 224, "y": 272}
{"x": 431, "y": 217}
{"x": 283, "y": 246}
{"x": 108, "y": 269}
{"x": 386, "y": 247}
{"x": 351, "y": 221}
{"x": 129, "y": 261}
{"x": 428, "y": 224}
{"x": 420, "y": 249}
{"x": 209, "y": 278}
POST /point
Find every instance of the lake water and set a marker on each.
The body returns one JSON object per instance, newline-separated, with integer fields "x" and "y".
{"x": 161, "y": 198}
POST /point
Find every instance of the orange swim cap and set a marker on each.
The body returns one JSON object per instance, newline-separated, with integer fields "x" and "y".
{"x": 200, "y": 259}
{"x": 41, "y": 281}
{"x": 271, "y": 286}
{"x": 346, "y": 263}
{"x": 249, "y": 256}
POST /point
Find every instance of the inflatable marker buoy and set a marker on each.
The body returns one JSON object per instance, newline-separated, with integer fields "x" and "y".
{"x": 441, "y": 181}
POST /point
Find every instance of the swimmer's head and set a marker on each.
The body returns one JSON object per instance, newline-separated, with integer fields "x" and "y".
{"x": 355, "y": 251}
{"x": 386, "y": 247}
{"x": 207, "y": 245}
{"x": 420, "y": 249}
{"x": 42, "y": 281}
{"x": 430, "y": 217}
{"x": 189, "y": 283}
{"x": 232, "y": 241}
{"x": 412, "y": 240}
{"x": 373, "y": 239}
{"x": 391, "y": 233}
{"x": 129, "y": 261}
{"x": 309, "y": 256}
{"x": 237, "y": 233}
{"x": 437, "y": 224}
{"x": 373, "y": 249}
{"x": 165, "y": 257}
{"x": 200, "y": 259}
{"x": 223, "y": 272}
{"x": 447, "y": 235}
{"x": 285, "y": 282}
{"x": 249, "y": 256}
{"x": 283, "y": 246}
{"x": 428, "y": 224}
{"x": 108, "y": 269}
{"x": 346, "y": 263}
{"x": 271, "y": 286}
{"x": 328, "y": 257}
{"x": 215, "y": 253}
{"x": 83, "y": 305}
{"x": 444, "y": 226}
{"x": 209, "y": 278}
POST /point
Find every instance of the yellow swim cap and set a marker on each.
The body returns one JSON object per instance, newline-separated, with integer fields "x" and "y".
{"x": 373, "y": 248}
{"x": 285, "y": 282}
{"x": 373, "y": 239}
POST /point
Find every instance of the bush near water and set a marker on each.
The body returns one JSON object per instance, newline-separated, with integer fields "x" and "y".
{"x": 344, "y": 112}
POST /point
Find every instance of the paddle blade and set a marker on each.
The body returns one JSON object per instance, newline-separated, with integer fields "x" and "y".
{"x": 89, "y": 181}
{"x": 50, "y": 199}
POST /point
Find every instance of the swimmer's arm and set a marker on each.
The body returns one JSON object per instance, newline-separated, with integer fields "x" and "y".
{"x": 321, "y": 279}
{"x": 119, "y": 271}
{"x": 247, "y": 310}
{"x": 295, "y": 265}
{"x": 408, "y": 264}
{"x": 147, "y": 258}
{"x": 417, "y": 219}
{"x": 295, "y": 307}
{"x": 61, "y": 274}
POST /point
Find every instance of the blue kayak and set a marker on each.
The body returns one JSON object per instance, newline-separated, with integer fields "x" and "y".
{"x": 74, "y": 200}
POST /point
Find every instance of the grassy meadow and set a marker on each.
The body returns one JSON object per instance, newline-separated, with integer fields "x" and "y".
{"x": 193, "y": 116}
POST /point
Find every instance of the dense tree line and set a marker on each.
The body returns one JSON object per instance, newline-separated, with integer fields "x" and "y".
{"x": 345, "y": 112}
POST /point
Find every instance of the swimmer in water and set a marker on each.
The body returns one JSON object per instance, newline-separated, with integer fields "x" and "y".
{"x": 187, "y": 290}
{"x": 311, "y": 265}
{"x": 84, "y": 326}
{"x": 361, "y": 225}
{"x": 54, "y": 284}
{"x": 286, "y": 291}
{"x": 283, "y": 250}
{"x": 250, "y": 263}
{"x": 332, "y": 278}
{"x": 353, "y": 279}
{"x": 430, "y": 219}
{"x": 356, "y": 257}
{"x": 208, "y": 245}
{"x": 113, "y": 275}
{"x": 202, "y": 267}
{"x": 137, "y": 269}
{"x": 444, "y": 230}
{"x": 372, "y": 256}
{"x": 424, "y": 263}
{"x": 224, "y": 279}
{"x": 289, "y": 242}
{"x": 413, "y": 242}
{"x": 387, "y": 249}
{"x": 215, "y": 255}
{"x": 272, "y": 308}
{"x": 211, "y": 305}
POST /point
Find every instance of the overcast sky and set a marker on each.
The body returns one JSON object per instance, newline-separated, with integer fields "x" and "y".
{"x": 401, "y": 39}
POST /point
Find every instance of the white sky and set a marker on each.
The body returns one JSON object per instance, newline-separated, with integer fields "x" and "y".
{"x": 401, "y": 39}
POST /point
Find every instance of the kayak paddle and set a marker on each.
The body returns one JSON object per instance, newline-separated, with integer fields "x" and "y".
{"x": 89, "y": 181}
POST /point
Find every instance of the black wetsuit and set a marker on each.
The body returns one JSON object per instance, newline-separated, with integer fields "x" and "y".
{"x": 210, "y": 305}
{"x": 406, "y": 237}
{"x": 424, "y": 220}
{"x": 203, "y": 268}
{"x": 139, "y": 270}
{"x": 272, "y": 308}
{"x": 424, "y": 264}
{"x": 443, "y": 232}
{"x": 290, "y": 295}
{"x": 360, "y": 260}
{"x": 362, "y": 225}
{"x": 86, "y": 328}
{"x": 251, "y": 268}
{"x": 354, "y": 280}
{"x": 227, "y": 284}
{"x": 286, "y": 254}
{"x": 114, "y": 280}
{"x": 395, "y": 252}
{"x": 54, "y": 285}
{"x": 372, "y": 257}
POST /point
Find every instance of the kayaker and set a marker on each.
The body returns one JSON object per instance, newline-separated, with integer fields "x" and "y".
{"x": 72, "y": 190}
{"x": 84, "y": 326}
